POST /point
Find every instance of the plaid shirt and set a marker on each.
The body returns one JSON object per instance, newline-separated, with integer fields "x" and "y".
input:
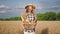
{"x": 30, "y": 17}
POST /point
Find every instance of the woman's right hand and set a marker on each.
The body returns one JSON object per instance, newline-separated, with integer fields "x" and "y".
{"x": 27, "y": 26}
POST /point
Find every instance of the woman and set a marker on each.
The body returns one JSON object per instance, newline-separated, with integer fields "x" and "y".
{"x": 29, "y": 19}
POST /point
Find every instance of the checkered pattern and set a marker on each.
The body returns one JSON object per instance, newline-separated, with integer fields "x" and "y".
{"x": 29, "y": 32}
{"x": 30, "y": 17}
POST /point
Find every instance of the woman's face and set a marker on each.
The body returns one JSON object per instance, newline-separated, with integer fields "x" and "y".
{"x": 30, "y": 8}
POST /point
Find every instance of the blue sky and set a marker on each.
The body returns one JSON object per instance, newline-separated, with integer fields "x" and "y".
{"x": 12, "y": 8}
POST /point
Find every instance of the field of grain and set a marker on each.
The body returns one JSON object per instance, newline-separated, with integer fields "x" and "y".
{"x": 43, "y": 27}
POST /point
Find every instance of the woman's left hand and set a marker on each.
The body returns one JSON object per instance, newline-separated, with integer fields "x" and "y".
{"x": 33, "y": 23}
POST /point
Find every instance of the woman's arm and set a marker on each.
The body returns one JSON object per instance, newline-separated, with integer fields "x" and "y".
{"x": 35, "y": 19}
{"x": 22, "y": 17}
{"x": 24, "y": 20}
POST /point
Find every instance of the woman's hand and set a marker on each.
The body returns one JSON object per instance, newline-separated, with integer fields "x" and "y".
{"x": 33, "y": 23}
{"x": 27, "y": 25}
{"x": 30, "y": 25}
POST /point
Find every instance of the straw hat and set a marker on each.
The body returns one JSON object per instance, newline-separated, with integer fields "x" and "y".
{"x": 30, "y": 5}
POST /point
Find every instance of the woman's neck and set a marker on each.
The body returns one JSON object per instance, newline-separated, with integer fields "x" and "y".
{"x": 29, "y": 13}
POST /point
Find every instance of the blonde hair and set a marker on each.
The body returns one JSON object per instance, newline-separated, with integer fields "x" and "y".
{"x": 31, "y": 6}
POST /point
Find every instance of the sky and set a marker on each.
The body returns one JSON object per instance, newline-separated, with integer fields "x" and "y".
{"x": 13, "y": 8}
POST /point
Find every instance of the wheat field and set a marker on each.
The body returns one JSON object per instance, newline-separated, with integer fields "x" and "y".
{"x": 42, "y": 27}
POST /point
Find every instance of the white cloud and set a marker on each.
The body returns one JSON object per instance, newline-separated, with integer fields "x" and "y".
{"x": 1, "y": 12}
{"x": 4, "y": 10}
{"x": 38, "y": 6}
{"x": 3, "y": 6}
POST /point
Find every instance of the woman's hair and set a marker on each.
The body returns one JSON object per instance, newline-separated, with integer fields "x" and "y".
{"x": 32, "y": 9}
